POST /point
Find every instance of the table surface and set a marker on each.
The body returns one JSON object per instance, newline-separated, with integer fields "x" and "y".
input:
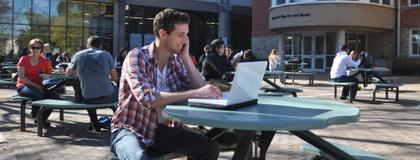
{"x": 61, "y": 76}
{"x": 373, "y": 69}
{"x": 271, "y": 113}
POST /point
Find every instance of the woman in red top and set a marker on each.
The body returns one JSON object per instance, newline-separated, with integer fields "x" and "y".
{"x": 29, "y": 83}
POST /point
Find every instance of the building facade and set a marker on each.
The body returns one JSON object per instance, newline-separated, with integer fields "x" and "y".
{"x": 66, "y": 24}
{"x": 314, "y": 29}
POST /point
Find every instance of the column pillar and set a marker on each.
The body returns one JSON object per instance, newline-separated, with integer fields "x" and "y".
{"x": 341, "y": 39}
{"x": 119, "y": 26}
{"x": 281, "y": 51}
{"x": 224, "y": 26}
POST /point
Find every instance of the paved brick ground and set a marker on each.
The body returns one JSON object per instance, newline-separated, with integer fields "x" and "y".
{"x": 385, "y": 128}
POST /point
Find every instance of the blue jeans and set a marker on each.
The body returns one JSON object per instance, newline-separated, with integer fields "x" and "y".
{"x": 127, "y": 146}
{"x": 35, "y": 94}
{"x": 99, "y": 100}
{"x": 345, "y": 91}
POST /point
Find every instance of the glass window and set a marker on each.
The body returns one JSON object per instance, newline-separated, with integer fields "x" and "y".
{"x": 40, "y": 12}
{"x": 22, "y": 36}
{"x": 319, "y": 45}
{"x": 58, "y": 12}
{"x": 22, "y": 9}
{"x": 351, "y": 40}
{"x": 6, "y": 11}
{"x": 289, "y": 45}
{"x": 74, "y": 39}
{"x": 387, "y": 2}
{"x": 415, "y": 43}
{"x": 5, "y": 38}
{"x": 374, "y": 1}
{"x": 91, "y": 14}
{"x": 307, "y": 45}
{"x": 107, "y": 15}
{"x": 361, "y": 42}
{"x": 75, "y": 13}
{"x": 415, "y": 2}
{"x": 58, "y": 37}
{"x": 90, "y": 32}
{"x": 41, "y": 32}
{"x": 279, "y": 2}
{"x": 297, "y": 45}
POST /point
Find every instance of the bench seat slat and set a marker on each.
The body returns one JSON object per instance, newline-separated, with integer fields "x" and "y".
{"x": 356, "y": 153}
{"x": 65, "y": 104}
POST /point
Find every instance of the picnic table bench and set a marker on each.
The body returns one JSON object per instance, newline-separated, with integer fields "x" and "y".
{"x": 386, "y": 86}
{"x": 65, "y": 104}
{"x": 343, "y": 84}
{"x": 7, "y": 82}
{"x": 23, "y": 101}
{"x": 356, "y": 153}
{"x": 310, "y": 75}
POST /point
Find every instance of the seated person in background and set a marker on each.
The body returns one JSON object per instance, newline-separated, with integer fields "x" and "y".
{"x": 214, "y": 65}
{"x": 121, "y": 56}
{"x": 94, "y": 68}
{"x": 152, "y": 77}
{"x": 203, "y": 57}
{"x": 338, "y": 71}
{"x": 63, "y": 58}
{"x": 367, "y": 59}
{"x": 29, "y": 83}
{"x": 228, "y": 54}
{"x": 248, "y": 56}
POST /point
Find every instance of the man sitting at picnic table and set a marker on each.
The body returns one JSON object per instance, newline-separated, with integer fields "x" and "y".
{"x": 152, "y": 77}
{"x": 338, "y": 73}
{"x": 95, "y": 67}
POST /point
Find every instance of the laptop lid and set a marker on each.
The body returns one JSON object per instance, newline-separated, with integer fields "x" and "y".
{"x": 245, "y": 85}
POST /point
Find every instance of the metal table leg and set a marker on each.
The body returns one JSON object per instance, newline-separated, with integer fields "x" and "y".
{"x": 323, "y": 145}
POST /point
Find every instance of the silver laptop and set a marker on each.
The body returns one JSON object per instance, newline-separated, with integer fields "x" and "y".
{"x": 244, "y": 90}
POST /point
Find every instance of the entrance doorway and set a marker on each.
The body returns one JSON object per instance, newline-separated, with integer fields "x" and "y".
{"x": 314, "y": 52}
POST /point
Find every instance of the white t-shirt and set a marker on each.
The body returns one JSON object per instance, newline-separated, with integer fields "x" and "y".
{"x": 162, "y": 85}
{"x": 341, "y": 61}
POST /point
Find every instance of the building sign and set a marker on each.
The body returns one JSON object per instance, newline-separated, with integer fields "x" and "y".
{"x": 295, "y": 15}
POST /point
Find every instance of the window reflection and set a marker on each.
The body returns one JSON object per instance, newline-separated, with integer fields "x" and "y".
{"x": 40, "y": 12}
{"x": 91, "y": 14}
{"x": 42, "y": 32}
{"x": 75, "y": 13}
{"x": 6, "y": 10}
{"x": 74, "y": 39}
{"x": 58, "y": 12}
{"x": 5, "y": 37}
{"x": 22, "y": 9}
{"x": 21, "y": 37}
{"x": 58, "y": 37}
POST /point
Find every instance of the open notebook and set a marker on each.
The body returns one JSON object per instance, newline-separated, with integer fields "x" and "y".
{"x": 244, "y": 90}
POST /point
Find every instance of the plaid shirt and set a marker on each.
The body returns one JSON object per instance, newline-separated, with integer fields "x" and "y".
{"x": 138, "y": 91}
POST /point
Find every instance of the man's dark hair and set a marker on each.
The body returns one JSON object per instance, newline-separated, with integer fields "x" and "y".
{"x": 207, "y": 48}
{"x": 166, "y": 20}
{"x": 229, "y": 46}
{"x": 344, "y": 47}
{"x": 93, "y": 41}
{"x": 216, "y": 43}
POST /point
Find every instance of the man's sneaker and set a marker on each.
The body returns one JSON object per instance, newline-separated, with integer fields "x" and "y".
{"x": 343, "y": 98}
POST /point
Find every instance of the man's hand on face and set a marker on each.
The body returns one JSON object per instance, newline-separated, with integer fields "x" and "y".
{"x": 185, "y": 50}
{"x": 208, "y": 91}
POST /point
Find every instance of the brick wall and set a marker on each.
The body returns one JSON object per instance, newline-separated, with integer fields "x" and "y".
{"x": 262, "y": 45}
{"x": 260, "y": 18}
{"x": 410, "y": 17}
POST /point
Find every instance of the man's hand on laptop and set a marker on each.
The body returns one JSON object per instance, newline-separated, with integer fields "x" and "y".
{"x": 207, "y": 91}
